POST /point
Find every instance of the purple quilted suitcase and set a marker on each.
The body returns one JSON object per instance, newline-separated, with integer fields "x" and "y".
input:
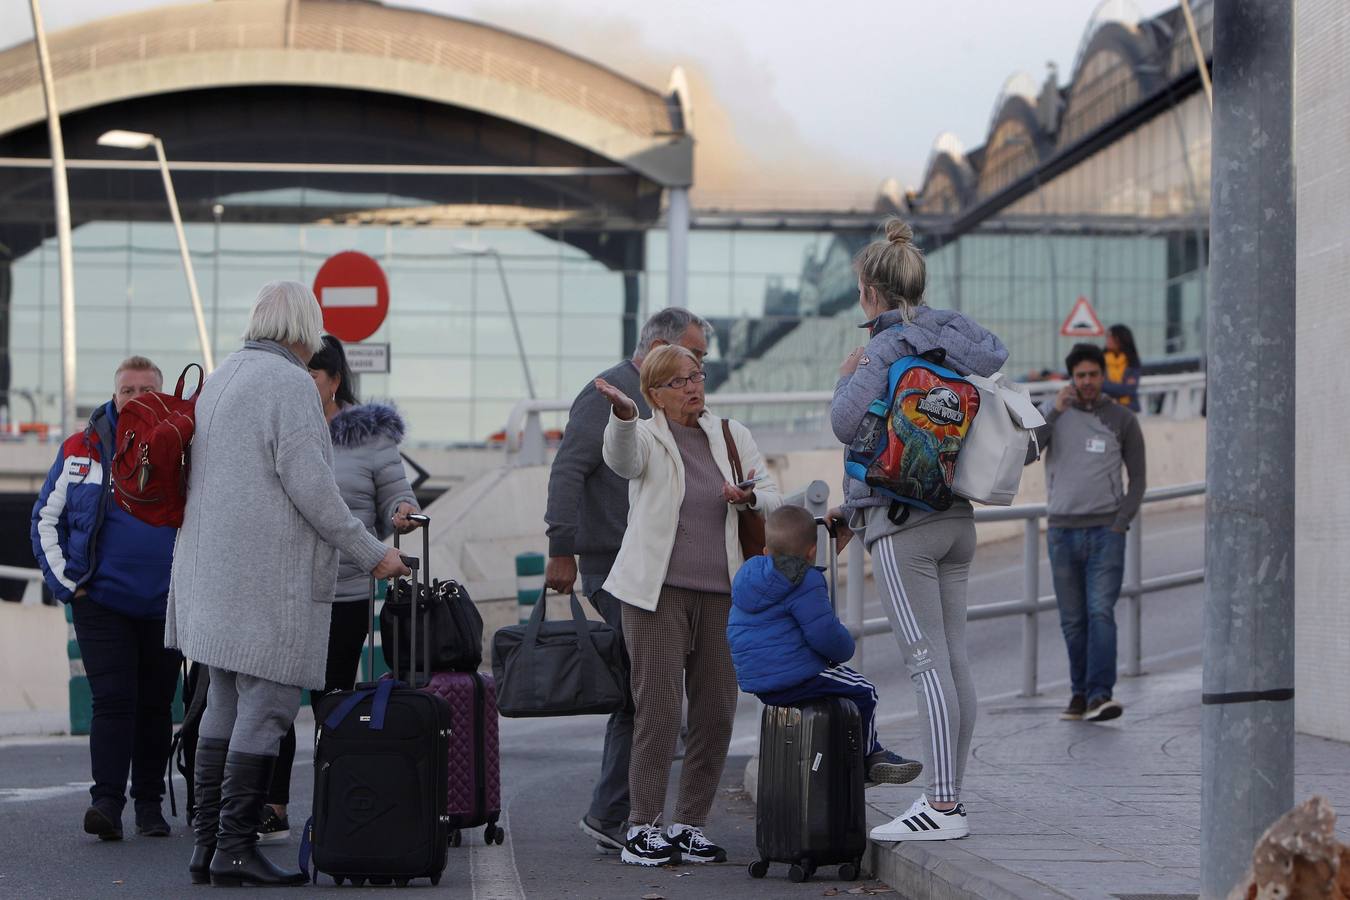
{"x": 475, "y": 767}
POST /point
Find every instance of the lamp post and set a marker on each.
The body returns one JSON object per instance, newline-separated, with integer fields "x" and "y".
{"x": 138, "y": 140}
{"x": 61, "y": 194}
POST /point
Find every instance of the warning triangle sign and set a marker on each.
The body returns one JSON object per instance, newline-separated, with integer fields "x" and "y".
{"x": 1082, "y": 321}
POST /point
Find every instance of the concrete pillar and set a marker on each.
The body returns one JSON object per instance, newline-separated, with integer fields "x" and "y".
{"x": 1247, "y": 731}
{"x": 1321, "y": 489}
{"x": 677, "y": 228}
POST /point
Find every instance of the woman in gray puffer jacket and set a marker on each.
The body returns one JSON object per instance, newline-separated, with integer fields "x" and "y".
{"x": 374, "y": 484}
{"x": 921, "y": 559}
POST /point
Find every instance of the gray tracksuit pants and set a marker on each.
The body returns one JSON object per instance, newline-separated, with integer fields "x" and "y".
{"x": 921, "y": 573}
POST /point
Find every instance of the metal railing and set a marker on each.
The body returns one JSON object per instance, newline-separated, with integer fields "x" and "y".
{"x": 1182, "y": 398}
{"x": 1032, "y": 603}
{"x": 32, "y": 595}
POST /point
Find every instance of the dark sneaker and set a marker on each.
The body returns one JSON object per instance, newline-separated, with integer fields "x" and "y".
{"x": 150, "y": 820}
{"x": 607, "y": 839}
{"x": 647, "y": 846}
{"x": 1102, "y": 709}
{"x": 1074, "y": 711}
{"x": 104, "y": 820}
{"x": 273, "y": 828}
{"x": 886, "y": 767}
{"x": 693, "y": 846}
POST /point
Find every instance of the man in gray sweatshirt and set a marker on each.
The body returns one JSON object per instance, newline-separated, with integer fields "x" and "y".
{"x": 1086, "y": 439}
{"x": 587, "y": 514}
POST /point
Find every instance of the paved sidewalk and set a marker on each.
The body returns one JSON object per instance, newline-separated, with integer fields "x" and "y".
{"x": 1073, "y": 809}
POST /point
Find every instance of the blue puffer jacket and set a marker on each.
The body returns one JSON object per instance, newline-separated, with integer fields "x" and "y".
{"x": 82, "y": 539}
{"x": 782, "y": 633}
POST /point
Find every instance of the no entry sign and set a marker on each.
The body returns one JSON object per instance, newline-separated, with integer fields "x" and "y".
{"x": 354, "y": 295}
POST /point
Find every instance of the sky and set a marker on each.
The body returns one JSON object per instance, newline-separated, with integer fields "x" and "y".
{"x": 789, "y": 98}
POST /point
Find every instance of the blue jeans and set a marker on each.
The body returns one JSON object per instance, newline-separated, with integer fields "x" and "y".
{"x": 1087, "y": 565}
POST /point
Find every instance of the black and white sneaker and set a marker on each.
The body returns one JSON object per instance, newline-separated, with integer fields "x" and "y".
{"x": 1103, "y": 709}
{"x": 647, "y": 846}
{"x": 273, "y": 828}
{"x": 693, "y": 846}
{"x": 922, "y": 822}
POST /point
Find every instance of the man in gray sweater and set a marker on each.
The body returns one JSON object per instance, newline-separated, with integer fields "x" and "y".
{"x": 1086, "y": 439}
{"x": 587, "y": 513}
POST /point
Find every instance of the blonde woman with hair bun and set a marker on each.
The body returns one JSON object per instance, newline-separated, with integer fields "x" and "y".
{"x": 921, "y": 559}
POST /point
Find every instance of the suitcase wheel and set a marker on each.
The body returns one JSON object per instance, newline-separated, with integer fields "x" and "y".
{"x": 359, "y": 882}
{"x": 849, "y": 871}
{"x": 759, "y": 868}
{"x": 381, "y": 881}
{"x": 802, "y": 870}
{"x": 337, "y": 879}
{"x": 436, "y": 879}
{"x": 401, "y": 882}
{"x": 455, "y": 837}
{"x": 494, "y": 834}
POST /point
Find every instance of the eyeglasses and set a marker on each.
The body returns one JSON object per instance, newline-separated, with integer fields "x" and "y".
{"x": 677, "y": 383}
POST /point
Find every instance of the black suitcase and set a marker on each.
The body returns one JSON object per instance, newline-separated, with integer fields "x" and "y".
{"x": 380, "y": 772}
{"x": 809, "y": 811}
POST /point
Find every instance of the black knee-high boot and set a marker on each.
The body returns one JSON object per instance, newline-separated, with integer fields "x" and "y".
{"x": 242, "y": 796}
{"x": 207, "y": 771}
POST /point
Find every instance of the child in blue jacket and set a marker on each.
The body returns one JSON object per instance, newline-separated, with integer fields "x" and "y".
{"x": 787, "y": 644}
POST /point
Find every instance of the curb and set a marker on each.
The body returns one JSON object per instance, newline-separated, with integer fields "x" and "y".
{"x": 941, "y": 870}
{"x": 933, "y": 870}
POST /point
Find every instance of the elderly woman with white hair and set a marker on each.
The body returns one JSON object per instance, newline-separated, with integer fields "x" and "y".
{"x": 254, "y": 571}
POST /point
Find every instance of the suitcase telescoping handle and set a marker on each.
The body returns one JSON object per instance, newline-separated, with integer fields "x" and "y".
{"x": 423, "y": 521}
{"x": 832, "y": 529}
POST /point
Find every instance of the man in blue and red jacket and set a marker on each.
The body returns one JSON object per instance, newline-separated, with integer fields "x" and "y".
{"x": 113, "y": 569}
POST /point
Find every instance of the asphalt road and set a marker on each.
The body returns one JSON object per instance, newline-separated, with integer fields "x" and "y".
{"x": 548, "y": 765}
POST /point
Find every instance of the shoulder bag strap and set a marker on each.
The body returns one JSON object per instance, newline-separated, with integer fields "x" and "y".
{"x": 733, "y": 453}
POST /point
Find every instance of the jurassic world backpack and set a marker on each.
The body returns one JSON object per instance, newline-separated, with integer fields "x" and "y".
{"x": 907, "y": 446}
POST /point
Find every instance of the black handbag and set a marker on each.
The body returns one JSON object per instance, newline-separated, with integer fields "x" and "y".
{"x": 565, "y": 667}
{"x": 450, "y": 628}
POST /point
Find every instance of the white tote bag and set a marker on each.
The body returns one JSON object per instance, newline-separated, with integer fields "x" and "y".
{"x": 989, "y": 468}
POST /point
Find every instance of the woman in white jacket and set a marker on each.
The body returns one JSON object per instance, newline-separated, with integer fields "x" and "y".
{"x": 673, "y": 573}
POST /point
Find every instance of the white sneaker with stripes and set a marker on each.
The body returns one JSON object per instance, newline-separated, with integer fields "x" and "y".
{"x": 923, "y": 823}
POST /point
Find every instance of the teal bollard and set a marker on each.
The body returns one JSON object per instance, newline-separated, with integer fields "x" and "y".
{"x": 81, "y": 700}
{"x": 529, "y": 582}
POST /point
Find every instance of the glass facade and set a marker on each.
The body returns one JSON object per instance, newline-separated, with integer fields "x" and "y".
{"x": 455, "y": 372}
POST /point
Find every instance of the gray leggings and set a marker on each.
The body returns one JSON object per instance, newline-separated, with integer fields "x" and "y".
{"x": 921, "y": 573}
{"x": 251, "y": 713}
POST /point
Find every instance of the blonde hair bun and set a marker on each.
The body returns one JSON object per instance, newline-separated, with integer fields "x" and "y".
{"x": 898, "y": 232}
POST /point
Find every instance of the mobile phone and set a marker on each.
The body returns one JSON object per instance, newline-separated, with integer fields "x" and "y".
{"x": 747, "y": 484}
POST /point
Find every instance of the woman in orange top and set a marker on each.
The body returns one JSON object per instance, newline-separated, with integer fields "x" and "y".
{"x": 1122, "y": 367}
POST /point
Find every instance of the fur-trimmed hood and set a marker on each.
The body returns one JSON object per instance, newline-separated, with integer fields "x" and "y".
{"x": 357, "y": 425}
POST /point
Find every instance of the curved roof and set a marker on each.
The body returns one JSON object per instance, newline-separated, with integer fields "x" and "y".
{"x": 359, "y": 45}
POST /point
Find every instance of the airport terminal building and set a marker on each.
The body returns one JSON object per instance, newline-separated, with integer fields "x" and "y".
{"x": 494, "y": 176}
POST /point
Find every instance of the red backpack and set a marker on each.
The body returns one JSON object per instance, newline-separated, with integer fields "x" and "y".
{"x": 150, "y": 461}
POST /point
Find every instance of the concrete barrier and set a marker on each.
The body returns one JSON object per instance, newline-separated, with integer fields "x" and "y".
{"x": 476, "y": 532}
{"x": 34, "y": 670}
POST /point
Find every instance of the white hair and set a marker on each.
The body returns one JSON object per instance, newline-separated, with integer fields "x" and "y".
{"x": 288, "y": 313}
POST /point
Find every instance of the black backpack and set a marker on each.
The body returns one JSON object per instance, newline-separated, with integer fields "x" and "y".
{"x": 183, "y": 748}
{"x": 450, "y": 627}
